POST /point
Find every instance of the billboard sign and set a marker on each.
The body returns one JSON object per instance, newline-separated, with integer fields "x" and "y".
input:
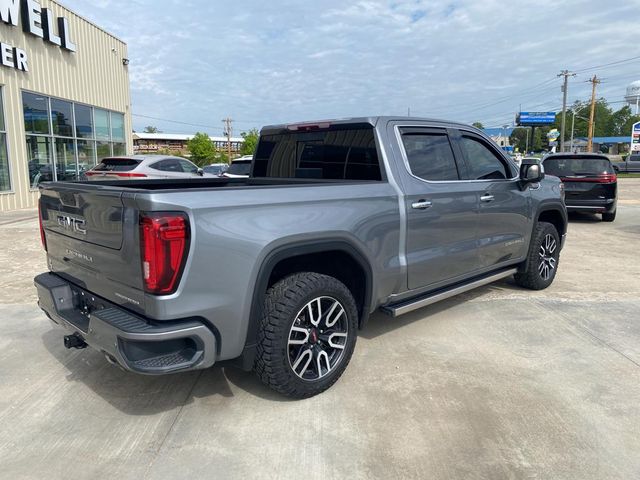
{"x": 536, "y": 119}
{"x": 635, "y": 138}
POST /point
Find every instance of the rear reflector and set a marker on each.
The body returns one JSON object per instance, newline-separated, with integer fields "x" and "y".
{"x": 164, "y": 245}
{"x": 43, "y": 239}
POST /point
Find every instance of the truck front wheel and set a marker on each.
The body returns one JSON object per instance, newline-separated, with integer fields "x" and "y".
{"x": 308, "y": 334}
{"x": 542, "y": 262}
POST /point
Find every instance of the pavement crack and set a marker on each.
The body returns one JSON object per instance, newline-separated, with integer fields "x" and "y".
{"x": 598, "y": 339}
{"x": 611, "y": 347}
{"x": 173, "y": 423}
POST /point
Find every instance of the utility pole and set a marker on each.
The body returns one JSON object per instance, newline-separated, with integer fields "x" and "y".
{"x": 566, "y": 74}
{"x": 594, "y": 82}
{"x": 228, "y": 130}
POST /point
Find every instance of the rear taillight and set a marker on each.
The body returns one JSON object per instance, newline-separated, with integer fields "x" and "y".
{"x": 164, "y": 245}
{"x": 119, "y": 174}
{"x": 600, "y": 178}
{"x": 42, "y": 236}
{"x": 128, "y": 175}
{"x": 607, "y": 178}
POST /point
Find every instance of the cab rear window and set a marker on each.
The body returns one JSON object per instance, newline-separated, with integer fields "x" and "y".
{"x": 335, "y": 153}
{"x": 116, "y": 165}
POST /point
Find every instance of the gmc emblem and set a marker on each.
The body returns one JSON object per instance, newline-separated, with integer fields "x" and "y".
{"x": 76, "y": 225}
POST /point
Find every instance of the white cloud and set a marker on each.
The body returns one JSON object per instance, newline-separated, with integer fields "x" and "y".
{"x": 266, "y": 62}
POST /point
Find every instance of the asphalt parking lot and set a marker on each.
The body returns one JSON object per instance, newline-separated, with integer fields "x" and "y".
{"x": 497, "y": 383}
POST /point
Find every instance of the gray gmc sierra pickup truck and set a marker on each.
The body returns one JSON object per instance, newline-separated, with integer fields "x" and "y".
{"x": 278, "y": 271}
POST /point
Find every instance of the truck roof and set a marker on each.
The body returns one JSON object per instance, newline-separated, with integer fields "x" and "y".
{"x": 374, "y": 120}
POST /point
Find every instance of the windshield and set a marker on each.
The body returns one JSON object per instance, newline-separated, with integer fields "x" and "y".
{"x": 240, "y": 168}
{"x": 337, "y": 153}
{"x": 577, "y": 166}
{"x": 116, "y": 165}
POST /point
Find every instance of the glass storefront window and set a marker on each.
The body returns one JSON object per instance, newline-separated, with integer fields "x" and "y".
{"x": 119, "y": 149}
{"x": 64, "y": 134}
{"x": 5, "y": 178}
{"x": 103, "y": 149}
{"x": 36, "y": 113}
{"x": 117, "y": 127}
{"x": 102, "y": 124}
{"x": 84, "y": 121}
{"x": 66, "y": 160}
{"x": 40, "y": 160}
{"x": 86, "y": 155}
{"x": 62, "y": 117}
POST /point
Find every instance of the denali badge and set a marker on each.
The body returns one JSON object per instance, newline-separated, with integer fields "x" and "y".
{"x": 73, "y": 224}
{"x": 79, "y": 255}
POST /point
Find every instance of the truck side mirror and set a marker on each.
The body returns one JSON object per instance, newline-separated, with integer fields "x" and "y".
{"x": 200, "y": 172}
{"x": 531, "y": 171}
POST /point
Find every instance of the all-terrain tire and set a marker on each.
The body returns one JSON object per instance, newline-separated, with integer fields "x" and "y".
{"x": 542, "y": 261}
{"x": 283, "y": 305}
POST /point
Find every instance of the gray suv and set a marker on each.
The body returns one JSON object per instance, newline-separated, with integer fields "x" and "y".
{"x": 277, "y": 272}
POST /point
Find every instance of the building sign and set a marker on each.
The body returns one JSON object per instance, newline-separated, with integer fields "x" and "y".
{"x": 635, "y": 137}
{"x": 535, "y": 119}
{"x": 36, "y": 21}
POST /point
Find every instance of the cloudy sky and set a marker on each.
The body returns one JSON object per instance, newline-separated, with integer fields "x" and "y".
{"x": 263, "y": 62}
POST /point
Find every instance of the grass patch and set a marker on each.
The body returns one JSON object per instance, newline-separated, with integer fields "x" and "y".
{"x": 629, "y": 175}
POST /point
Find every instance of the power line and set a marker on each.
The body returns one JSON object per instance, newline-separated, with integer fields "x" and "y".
{"x": 176, "y": 121}
{"x": 626, "y": 60}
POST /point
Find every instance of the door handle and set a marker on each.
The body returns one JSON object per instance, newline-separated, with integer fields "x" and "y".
{"x": 487, "y": 198}
{"x": 421, "y": 205}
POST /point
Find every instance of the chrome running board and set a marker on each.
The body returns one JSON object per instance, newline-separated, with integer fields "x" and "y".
{"x": 407, "y": 306}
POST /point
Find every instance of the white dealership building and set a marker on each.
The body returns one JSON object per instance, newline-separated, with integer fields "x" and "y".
{"x": 64, "y": 98}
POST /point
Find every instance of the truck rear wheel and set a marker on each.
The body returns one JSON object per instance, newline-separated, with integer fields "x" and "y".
{"x": 542, "y": 262}
{"x": 308, "y": 333}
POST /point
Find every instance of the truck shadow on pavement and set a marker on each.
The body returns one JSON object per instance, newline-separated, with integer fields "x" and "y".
{"x": 135, "y": 394}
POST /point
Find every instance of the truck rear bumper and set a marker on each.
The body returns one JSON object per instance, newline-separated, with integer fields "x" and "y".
{"x": 133, "y": 342}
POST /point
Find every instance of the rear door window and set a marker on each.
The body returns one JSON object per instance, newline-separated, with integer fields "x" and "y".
{"x": 168, "y": 165}
{"x": 430, "y": 155}
{"x": 483, "y": 163}
{"x": 335, "y": 153}
{"x": 188, "y": 167}
{"x": 116, "y": 165}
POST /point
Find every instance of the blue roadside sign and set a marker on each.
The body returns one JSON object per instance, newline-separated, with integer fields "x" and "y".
{"x": 536, "y": 118}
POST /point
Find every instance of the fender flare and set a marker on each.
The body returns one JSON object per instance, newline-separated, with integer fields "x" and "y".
{"x": 295, "y": 249}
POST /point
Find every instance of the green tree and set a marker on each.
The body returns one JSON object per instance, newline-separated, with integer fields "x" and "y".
{"x": 250, "y": 142}
{"x": 622, "y": 121}
{"x": 201, "y": 149}
{"x": 478, "y": 125}
{"x": 151, "y": 129}
{"x": 518, "y": 139}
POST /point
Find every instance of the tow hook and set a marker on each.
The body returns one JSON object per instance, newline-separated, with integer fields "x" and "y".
{"x": 74, "y": 341}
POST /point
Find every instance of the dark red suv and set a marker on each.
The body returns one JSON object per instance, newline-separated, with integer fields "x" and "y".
{"x": 591, "y": 184}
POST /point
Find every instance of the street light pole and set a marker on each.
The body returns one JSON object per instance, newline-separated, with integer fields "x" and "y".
{"x": 566, "y": 74}
{"x": 573, "y": 122}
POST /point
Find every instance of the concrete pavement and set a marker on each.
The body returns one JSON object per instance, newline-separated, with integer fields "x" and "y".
{"x": 497, "y": 383}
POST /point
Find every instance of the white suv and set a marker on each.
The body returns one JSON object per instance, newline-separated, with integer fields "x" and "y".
{"x": 138, "y": 167}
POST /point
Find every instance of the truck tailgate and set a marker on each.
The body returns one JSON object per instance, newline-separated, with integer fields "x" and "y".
{"x": 93, "y": 241}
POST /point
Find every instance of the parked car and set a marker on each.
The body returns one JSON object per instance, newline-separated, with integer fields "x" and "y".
{"x": 143, "y": 166}
{"x": 590, "y": 182}
{"x": 239, "y": 168}
{"x": 216, "y": 169}
{"x": 278, "y": 271}
{"x": 631, "y": 164}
